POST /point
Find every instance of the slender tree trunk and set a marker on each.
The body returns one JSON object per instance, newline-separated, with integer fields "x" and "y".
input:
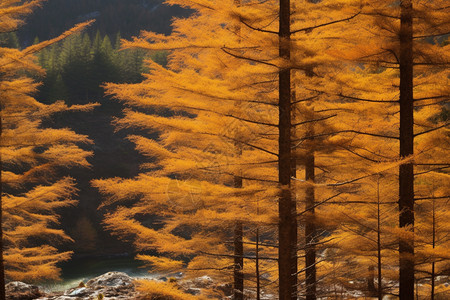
{"x": 406, "y": 172}
{"x": 380, "y": 286}
{"x": 432, "y": 280}
{"x": 238, "y": 262}
{"x": 310, "y": 228}
{"x": 287, "y": 228}
{"x": 257, "y": 272}
{"x": 310, "y": 223}
{"x": 433, "y": 264}
{"x": 371, "y": 282}
{"x": 294, "y": 195}
{"x": 238, "y": 273}
{"x": 2, "y": 262}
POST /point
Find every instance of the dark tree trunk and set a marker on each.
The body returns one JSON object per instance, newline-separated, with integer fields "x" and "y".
{"x": 238, "y": 262}
{"x": 257, "y": 272}
{"x": 380, "y": 283}
{"x": 238, "y": 273}
{"x": 287, "y": 228}
{"x": 433, "y": 264}
{"x": 310, "y": 229}
{"x": 2, "y": 262}
{"x": 371, "y": 282}
{"x": 432, "y": 280}
{"x": 406, "y": 172}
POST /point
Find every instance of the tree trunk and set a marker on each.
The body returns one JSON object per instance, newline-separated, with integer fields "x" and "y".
{"x": 257, "y": 272}
{"x": 380, "y": 283}
{"x": 287, "y": 227}
{"x": 238, "y": 262}
{"x": 372, "y": 291}
{"x": 2, "y": 262}
{"x": 238, "y": 273}
{"x": 433, "y": 264}
{"x": 310, "y": 229}
{"x": 406, "y": 172}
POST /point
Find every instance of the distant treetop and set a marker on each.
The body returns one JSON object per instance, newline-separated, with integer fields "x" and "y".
{"x": 127, "y": 16}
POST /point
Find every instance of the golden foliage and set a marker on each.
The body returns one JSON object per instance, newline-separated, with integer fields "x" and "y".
{"x": 30, "y": 155}
{"x": 220, "y": 87}
{"x": 163, "y": 290}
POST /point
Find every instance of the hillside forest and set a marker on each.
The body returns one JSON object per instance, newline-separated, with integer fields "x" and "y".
{"x": 278, "y": 149}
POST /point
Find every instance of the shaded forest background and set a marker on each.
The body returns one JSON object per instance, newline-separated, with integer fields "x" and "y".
{"x": 76, "y": 68}
{"x": 127, "y": 16}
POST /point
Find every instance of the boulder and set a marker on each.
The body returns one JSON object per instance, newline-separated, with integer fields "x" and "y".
{"x": 17, "y": 290}
{"x": 79, "y": 292}
{"x": 112, "y": 285}
{"x": 203, "y": 282}
{"x": 111, "y": 279}
{"x": 109, "y": 286}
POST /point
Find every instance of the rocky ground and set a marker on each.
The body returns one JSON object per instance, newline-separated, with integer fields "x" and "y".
{"x": 109, "y": 286}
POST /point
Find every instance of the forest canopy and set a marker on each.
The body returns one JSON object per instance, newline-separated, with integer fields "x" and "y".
{"x": 257, "y": 150}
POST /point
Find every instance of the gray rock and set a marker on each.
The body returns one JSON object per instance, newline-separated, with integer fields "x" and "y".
{"x": 79, "y": 292}
{"x": 17, "y": 290}
{"x": 111, "y": 279}
{"x": 54, "y": 297}
{"x": 112, "y": 285}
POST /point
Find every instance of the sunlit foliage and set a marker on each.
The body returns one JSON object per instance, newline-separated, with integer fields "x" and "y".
{"x": 215, "y": 108}
{"x": 31, "y": 154}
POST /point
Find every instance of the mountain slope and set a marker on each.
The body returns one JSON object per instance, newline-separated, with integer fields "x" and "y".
{"x": 127, "y": 16}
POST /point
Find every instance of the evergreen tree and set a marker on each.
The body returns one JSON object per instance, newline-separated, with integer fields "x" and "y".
{"x": 76, "y": 68}
{"x": 9, "y": 40}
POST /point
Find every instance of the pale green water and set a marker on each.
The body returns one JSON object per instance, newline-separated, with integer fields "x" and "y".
{"x": 83, "y": 269}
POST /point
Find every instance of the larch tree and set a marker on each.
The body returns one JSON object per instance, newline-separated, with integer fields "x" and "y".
{"x": 315, "y": 139}
{"x": 312, "y": 134}
{"x": 288, "y": 54}
{"x": 211, "y": 150}
{"x": 362, "y": 214}
{"x": 31, "y": 156}
{"x": 342, "y": 181}
{"x": 402, "y": 75}
{"x": 253, "y": 69}
{"x": 200, "y": 82}
{"x": 432, "y": 239}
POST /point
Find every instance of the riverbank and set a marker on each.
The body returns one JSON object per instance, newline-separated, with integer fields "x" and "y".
{"x": 120, "y": 286}
{"x": 112, "y": 285}
{"x": 84, "y": 268}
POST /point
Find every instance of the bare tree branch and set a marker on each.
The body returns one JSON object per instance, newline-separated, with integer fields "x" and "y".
{"x": 315, "y": 120}
{"x": 309, "y": 29}
{"x": 431, "y": 130}
{"x": 259, "y": 29}
{"x": 225, "y": 49}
